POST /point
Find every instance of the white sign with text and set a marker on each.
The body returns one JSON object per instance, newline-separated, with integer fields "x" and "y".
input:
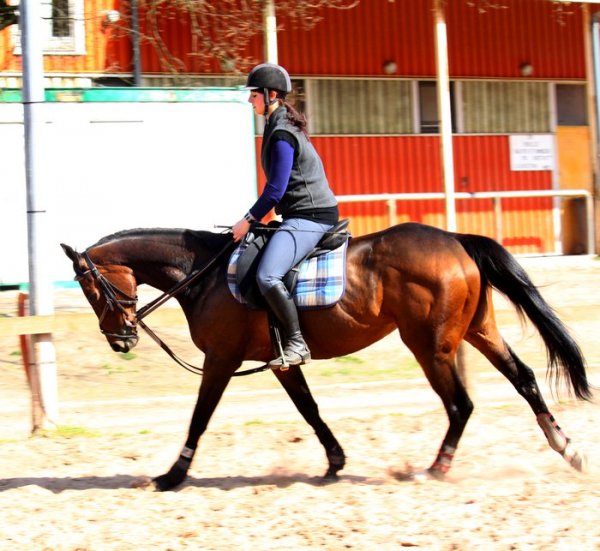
{"x": 532, "y": 152}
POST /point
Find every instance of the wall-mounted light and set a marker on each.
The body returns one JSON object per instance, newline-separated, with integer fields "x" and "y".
{"x": 390, "y": 67}
{"x": 526, "y": 69}
{"x": 110, "y": 17}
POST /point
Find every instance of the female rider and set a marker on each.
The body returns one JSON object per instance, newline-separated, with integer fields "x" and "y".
{"x": 298, "y": 189}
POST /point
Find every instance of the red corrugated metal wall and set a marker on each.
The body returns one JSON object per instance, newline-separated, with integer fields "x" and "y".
{"x": 493, "y": 43}
{"x": 357, "y": 42}
{"x": 496, "y": 42}
{"x": 360, "y": 40}
{"x": 411, "y": 164}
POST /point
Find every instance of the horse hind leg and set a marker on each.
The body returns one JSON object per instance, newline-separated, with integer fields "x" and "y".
{"x": 525, "y": 383}
{"x": 498, "y": 352}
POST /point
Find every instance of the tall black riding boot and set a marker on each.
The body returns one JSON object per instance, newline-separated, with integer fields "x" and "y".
{"x": 282, "y": 305}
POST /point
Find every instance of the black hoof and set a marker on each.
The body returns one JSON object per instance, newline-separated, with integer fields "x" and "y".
{"x": 330, "y": 476}
{"x": 169, "y": 481}
{"x": 162, "y": 483}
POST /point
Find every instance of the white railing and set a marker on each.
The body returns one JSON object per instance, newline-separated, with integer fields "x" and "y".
{"x": 495, "y": 196}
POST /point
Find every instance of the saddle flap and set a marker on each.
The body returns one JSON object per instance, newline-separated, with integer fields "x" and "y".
{"x": 250, "y": 252}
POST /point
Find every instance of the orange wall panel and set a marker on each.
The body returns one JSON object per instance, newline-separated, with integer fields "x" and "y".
{"x": 104, "y": 47}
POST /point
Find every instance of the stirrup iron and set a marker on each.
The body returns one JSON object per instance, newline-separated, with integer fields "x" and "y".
{"x": 284, "y": 364}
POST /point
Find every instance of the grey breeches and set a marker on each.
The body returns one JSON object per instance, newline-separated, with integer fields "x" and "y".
{"x": 294, "y": 239}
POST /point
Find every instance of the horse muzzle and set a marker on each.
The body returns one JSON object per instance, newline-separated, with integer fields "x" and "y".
{"x": 122, "y": 343}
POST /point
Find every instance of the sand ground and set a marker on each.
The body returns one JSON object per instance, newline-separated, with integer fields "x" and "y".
{"x": 254, "y": 482}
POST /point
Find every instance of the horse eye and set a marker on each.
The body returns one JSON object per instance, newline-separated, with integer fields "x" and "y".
{"x": 92, "y": 294}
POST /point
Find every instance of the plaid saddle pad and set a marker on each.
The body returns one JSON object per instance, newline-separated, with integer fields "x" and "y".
{"x": 321, "y": 280}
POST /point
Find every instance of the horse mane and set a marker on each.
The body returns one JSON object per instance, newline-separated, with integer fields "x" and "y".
{"x": 212, "y": 241}
{"x": 192, "y": 238}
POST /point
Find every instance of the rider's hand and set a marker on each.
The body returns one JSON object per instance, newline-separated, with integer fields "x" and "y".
{"x": 240, "y": 229}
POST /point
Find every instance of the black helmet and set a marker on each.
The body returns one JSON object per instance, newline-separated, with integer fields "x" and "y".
{"x": 270, "y": 76}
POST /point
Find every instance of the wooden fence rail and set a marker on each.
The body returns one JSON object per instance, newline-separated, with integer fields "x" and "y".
{"x": 65, "y": 322}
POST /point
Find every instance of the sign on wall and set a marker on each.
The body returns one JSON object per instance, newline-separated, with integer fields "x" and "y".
{"x": 532, "y": 152}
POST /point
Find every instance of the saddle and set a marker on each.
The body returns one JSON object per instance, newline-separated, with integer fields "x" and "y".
{"x": 246, "y": 258}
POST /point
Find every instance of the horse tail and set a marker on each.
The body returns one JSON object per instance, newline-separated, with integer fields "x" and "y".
{"x": 501, "y": 270}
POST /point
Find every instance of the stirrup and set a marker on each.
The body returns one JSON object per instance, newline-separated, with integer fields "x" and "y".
{"x": 284, "y": 362}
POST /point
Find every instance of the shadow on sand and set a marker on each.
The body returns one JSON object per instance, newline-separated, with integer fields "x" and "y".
{"x": 120, "y": 481}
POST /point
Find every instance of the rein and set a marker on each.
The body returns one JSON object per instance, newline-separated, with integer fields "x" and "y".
{"x": 109, "y": 291}
{"x": 188, "y": 366}
{"x": 265, "y": 227}
{"x": 177, "y": 288}
{"x": 183, "y": 284}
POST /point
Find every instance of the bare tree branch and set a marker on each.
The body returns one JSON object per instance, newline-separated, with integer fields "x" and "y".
{"x": 219, "y": 34}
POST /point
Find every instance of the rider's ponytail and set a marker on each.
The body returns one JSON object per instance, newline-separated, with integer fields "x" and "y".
{"x": 295, "y": 117}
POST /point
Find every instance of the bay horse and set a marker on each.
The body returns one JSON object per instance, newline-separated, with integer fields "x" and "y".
{"x": 433, "y": 286}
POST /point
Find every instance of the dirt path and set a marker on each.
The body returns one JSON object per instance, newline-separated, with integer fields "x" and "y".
{"x": 254, "y": 484}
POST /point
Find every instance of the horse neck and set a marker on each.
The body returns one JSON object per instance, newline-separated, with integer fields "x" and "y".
{"x": 159, "y": 264}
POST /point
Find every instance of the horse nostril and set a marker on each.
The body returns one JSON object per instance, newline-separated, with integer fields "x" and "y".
{"x": 117, "y": 347}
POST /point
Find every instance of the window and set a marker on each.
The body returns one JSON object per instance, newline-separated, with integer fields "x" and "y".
{"x": 429, "y": 122}
{"x": 501, "y": 107}
{"x": 571, "y": 107}
{"x": 60, "y": 21}
{"x": 340, "y": 106}
{"x": 62, "y": 25}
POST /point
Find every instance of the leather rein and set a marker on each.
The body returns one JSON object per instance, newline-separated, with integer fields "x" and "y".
{"x": 110, "y": 291}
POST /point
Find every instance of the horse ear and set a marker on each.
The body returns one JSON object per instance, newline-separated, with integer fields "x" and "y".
{"x": 70, "y": 252}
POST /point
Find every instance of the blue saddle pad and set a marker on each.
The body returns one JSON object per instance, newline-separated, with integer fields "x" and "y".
{"x": 321, "y": 279}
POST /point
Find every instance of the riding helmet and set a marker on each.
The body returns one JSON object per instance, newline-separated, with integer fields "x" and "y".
{"x": 269, "y": 76}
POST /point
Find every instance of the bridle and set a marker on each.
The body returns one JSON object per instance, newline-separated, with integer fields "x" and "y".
{"x": 110, "y": 293}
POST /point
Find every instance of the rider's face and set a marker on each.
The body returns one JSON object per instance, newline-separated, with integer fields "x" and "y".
{"x": 258, "y": 102}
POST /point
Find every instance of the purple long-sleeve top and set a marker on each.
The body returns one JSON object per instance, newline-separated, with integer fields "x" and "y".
{"x": 282, "y": 160}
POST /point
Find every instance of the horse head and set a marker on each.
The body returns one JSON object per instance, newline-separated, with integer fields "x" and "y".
{"x": 111, "y": 290}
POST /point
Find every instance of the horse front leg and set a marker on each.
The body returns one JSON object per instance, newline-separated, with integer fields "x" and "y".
{"x": 215, "y": 378}
{"x": 295, "y": 385}
{"x": 441, "y": 372}
{"x": 458, "y": 407}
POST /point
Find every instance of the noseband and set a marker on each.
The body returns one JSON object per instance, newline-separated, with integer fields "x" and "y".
{"x": 109, "y": 293}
